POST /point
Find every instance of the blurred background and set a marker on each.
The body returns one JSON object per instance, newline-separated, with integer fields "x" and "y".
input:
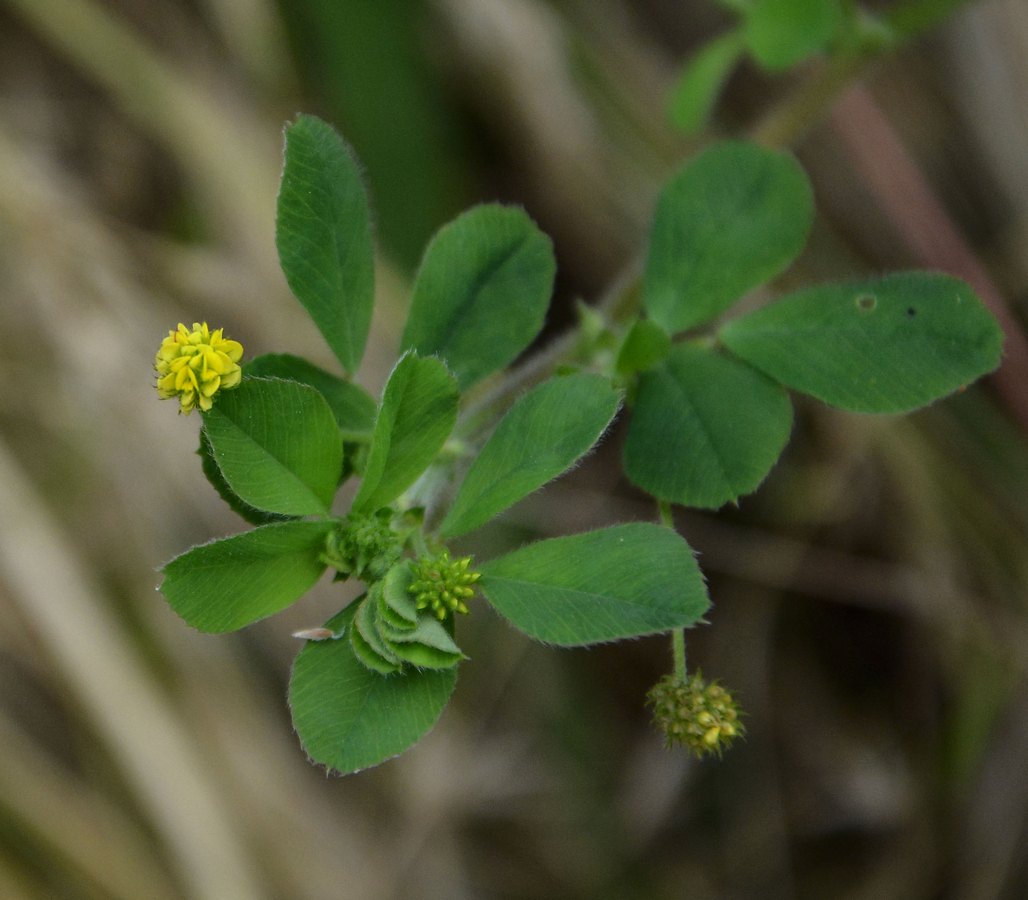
{"x": 870, "y": 607}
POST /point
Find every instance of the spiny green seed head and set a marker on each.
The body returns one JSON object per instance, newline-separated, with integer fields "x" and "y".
{"x": 698, "y": 715}
{"x": 443, "y": 585}
{"x": 364, "y": 546}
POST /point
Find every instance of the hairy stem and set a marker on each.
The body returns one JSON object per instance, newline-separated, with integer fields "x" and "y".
{"x": 799, "y": 112}
{"x": 914, "y": 17}
{"x": 678, "y": 652}
{"x": 783, "y": 126}
{"x": 666, "y": 518}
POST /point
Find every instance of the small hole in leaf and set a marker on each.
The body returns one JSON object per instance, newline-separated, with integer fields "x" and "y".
{"x": 911, "y": 312}
{"x": 866, "y": 303}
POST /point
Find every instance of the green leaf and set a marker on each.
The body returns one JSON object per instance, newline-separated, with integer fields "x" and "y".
{"x": 890, "y": 345}
{"x": 323, "y": 234}
{"x": 617, "y": 582}
{"x": 705, "y": 429}
{"x": 911, "y": 18}
{"x": 429, "y": 646}
{"x": 353, "y": 407}
{"x": 365, "y": 624}
{"x": 481, "y": 292}
{"x": 213, "y": 474}
{"x": 369, "y": 657}
{"x": 735, "y": 217}
{"x": 781, "y": 33}
{"x": 349, "y": 718}
{"x": 425, "y": 657}
{"x": 229, "y": 583}
{"x": 374, "y": 70}
{"x": 541, "y": 436}
{"x": 696, "y": 91}
{"x": 417, "y": 414}
{"x": 390, "y": 626}
{"x": 645, "y": 346}
{"x": 277, "y": 444}
{"x": 396, "y": 605}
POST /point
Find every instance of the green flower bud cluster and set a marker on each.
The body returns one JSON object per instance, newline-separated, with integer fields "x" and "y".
{"x": 443, "y": 585}
{"x": 364, "y": 546}
{"x": 695, "y": 714}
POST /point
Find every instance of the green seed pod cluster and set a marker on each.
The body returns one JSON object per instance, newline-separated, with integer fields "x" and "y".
{"x": 695, "y": 714}
{"x": 443, "y": 585}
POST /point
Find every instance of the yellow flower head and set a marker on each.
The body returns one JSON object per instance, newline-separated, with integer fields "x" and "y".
{"x": 195, "y": 365}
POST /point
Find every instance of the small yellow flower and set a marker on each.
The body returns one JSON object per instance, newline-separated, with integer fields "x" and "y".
{"x": 195, "y": 365}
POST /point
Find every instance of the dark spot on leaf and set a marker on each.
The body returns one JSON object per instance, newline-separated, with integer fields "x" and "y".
{"x": 866, "y": 303}
{"x": 911, "y": 312}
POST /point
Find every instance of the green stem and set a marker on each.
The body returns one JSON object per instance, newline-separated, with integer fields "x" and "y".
{"x": 478, "y": 420}
{"x": 678, "y": 634}
{"x": 803, "y": 109}
{"x": 619, "y": 304}
{"x": 910, "y": 19}
{"x": 782, "y": 127}
{"x": 419, "y": 544}
{"x": 807, "y": 105}
{"x": 678, "y": 652}
{"x": 481, "y": 416}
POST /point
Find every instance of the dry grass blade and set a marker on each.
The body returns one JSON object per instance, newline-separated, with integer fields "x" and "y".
{"x": 96, "y": 661}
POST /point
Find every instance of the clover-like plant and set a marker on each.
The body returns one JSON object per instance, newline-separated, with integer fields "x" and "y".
{"x": 457, "y": 438}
